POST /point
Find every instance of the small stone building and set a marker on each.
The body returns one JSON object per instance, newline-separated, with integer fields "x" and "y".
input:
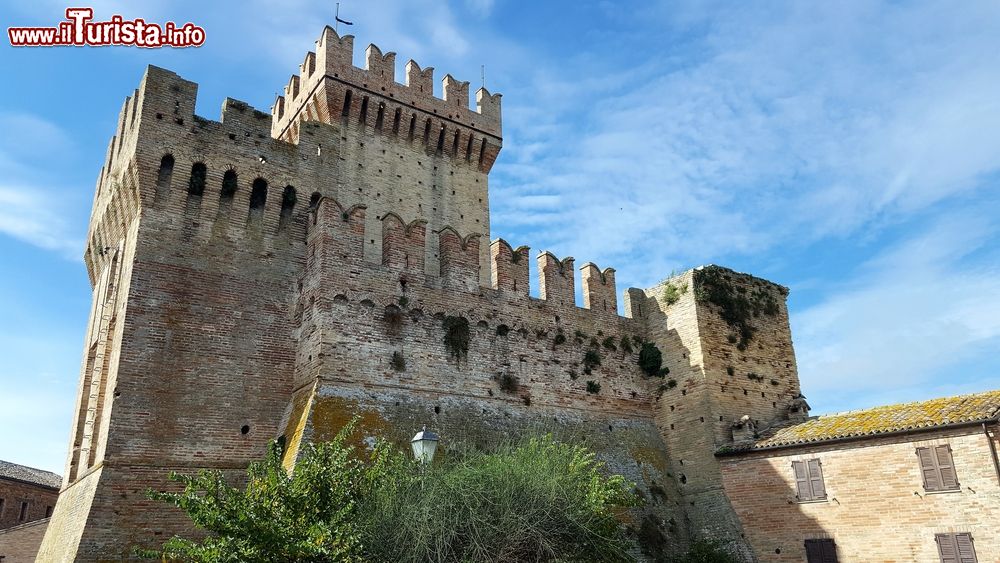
{"x": 27, "y": 497}
{"x": 909, "y": 482}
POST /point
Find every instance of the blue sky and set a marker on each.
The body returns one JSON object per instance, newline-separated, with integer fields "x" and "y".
{"x": 848, "y": 150}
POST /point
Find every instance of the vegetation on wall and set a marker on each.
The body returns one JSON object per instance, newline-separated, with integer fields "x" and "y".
{"x": 626, "y": 345}
{"x": 609, "y": 343}
{"x": 398, "y": 362}
{"x": 651, "y": 360}
{"x": 593, "y": 387}
{"x": 591, "y": 359}
{"x": 508, "y": 383}
{"x": 672, "y": 292}
{"x": 531, "y": 500}
{"x": 738, "y": 306}
{"x": 456, "y": 336}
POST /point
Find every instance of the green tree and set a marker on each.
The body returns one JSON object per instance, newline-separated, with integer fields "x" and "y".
{"x": 310, "y": 515}
{"x": 537, "y": 500}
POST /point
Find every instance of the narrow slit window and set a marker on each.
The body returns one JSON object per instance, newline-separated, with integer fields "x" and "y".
{"x": 24, "y": 512}
{"x": 288, "y": 199}
{"x": 364, "y": 111}
{"x": 413, "y": 125}
{"x": 395, "y": 121}
{"x": 229, "y": 183}
{"x": 440, "y": 144}
{"x": 314, "y": 200}
{"x": 196, "y": 185}
{"x": 468, "y": 149}
{"x": 454, "y": 144}
{"x": 258, "y": 194}
{"x": 380, "y": 116}
{"x": 166, "y": 171}
{"x": 347, "y": 105}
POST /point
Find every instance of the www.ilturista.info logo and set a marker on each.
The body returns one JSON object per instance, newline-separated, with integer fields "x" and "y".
{"x": 79, "y": 30}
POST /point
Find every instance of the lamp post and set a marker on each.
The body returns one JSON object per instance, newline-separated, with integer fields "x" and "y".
{"x": 424, "y": 445}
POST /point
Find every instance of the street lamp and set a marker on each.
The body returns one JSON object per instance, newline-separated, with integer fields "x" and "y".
{"x": 424, "y": 445}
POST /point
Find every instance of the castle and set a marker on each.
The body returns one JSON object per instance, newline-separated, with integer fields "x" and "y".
{"x": 269, "y": 276}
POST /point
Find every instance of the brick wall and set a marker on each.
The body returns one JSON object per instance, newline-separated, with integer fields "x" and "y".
{"x": 876, "y": 507}
{"x": 13, "y": 494}
{"x": 20, "y": 543}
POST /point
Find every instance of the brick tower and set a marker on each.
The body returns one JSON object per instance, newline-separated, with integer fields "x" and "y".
{"x": 269, "y": 276}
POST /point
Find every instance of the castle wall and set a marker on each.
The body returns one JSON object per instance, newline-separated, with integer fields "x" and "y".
{"x": 713, "y": 382}
{"x": 876, "y": 507}
{"x": 269, "y": 275}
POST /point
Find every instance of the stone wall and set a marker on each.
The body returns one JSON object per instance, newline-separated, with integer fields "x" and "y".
{"x": 876, "y": 506}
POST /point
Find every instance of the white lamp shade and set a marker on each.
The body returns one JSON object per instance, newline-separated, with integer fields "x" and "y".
{"x": 424, "y": 445}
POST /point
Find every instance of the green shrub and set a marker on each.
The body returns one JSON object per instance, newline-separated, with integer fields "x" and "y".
{"x": 593, "y": 387}
{"x": 672, "y": 292}
{"x": 539, "y": 500}
{"x": 651, "y": 360}
{"x": 591, "y": 359}
{"x": 609, "y": 343}
{"x": 456, "y": 336}
{"x": 398, "y": 362}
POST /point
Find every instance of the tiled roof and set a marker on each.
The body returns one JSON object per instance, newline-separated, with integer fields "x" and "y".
{"x": 10, "y": 470}
{"x": 944, "y": 411}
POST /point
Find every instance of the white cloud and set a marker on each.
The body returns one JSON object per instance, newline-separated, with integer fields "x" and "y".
{"x": 783, "y": 127}
{"x": 30, "y": 209}
{"x": 29, "y": 214}
{"x": 907, "y": 321}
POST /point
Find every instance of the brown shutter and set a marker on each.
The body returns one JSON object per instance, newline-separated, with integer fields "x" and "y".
{"x": 946, "y": 467}
{"x": 821, "y": 551}
{"x": 829, "y": 551}
{"x": 801, "y": 480}
{"x": 947, "y": 549}
{"x": 966, "y": 552}
{"x": 816, "y": 479}
{"x": 814, "y": 552}
{"x": 929, "y": 470}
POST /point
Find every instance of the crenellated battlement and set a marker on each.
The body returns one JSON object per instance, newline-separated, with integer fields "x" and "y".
{"x": 330, "y": 89}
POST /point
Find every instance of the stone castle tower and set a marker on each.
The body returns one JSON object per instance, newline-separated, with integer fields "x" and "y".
{"x": 268, "y": 276}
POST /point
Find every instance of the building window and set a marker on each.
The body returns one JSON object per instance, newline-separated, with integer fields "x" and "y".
{"x": 937, "y": 468}
{"x": 955, "y": 548}
{"x": 24, "y": 512}
{"x": 48, "y": 511}
{"x": 821, "y": 551}
{"x": 1, "y": 507}
{"x": 809, "y": 480}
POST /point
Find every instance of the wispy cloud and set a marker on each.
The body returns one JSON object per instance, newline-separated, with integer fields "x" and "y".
{"x": 31, "y": 209}
{"x": 782, "y": 127}
{"x": 910, "y": 320}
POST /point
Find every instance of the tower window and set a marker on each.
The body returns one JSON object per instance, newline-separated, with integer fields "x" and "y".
{"x": 347, "y": 104}
{"x": 228, "y": 185}
{"x": 258, "y": 194}
{"x": 196, "y": 185}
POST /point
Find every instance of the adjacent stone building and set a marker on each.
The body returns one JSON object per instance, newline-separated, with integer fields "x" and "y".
{"x": 270, "y": 276}
{"x": 909, "y": 482}
{"x": 27, "y": 497}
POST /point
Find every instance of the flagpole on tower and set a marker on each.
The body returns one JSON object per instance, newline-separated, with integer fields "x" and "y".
{"x": 338, "y": 21}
